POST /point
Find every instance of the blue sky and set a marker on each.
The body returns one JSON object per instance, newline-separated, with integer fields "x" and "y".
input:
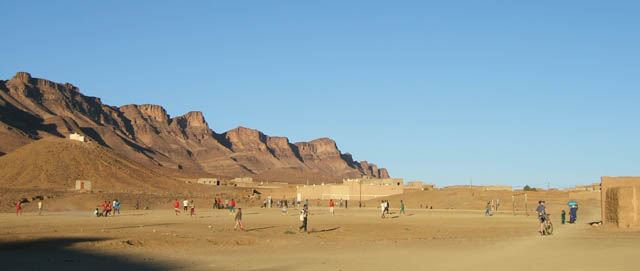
{"x": 439, "y": 91}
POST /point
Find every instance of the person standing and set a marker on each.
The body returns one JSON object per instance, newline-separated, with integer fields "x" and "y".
{"x": 346, "y": 204}
{"x": 238, "y": 220}
{"x": 40, "y": 205}
{"x": 304, "y": 215}
{"x": 541, "y": 211}
{"x": 109, "y": 208}
{"x": 573, "y": 214}
{"x": 185, "y": 205}
{"x": 387, "y": 205}
{"x": 488, "y": 209}
{"x": 104, "y": 208}
{"x": 116, "y": 206}
{"x": 402, "y": 207}
{"x": 383, "y": 207}
{"x": 193, "y": 209}
{"x": 19, "y": 208}
{"x": 232, "y": 207}
{"x": 176, "y": 206}
{"x": 331, "y": 205}
{"x": 563, "y": 216}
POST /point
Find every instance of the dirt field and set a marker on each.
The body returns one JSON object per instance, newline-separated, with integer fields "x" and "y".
{"x": 353, "y": 239}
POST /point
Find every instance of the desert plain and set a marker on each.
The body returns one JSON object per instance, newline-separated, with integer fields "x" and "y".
{"x": 454, "y": 235}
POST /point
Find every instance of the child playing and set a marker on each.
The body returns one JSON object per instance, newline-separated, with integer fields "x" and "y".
{"x": 19, "y": 208}
{"x": 563, "y": 216}
{"x": 176, "y": 206}
{"x": 193, "y": 209}
{"x": 116, "y": 206}
{"x": 238, "y": 220}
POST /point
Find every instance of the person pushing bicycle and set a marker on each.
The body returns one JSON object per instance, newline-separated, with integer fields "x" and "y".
{"x": 542, "y": 215}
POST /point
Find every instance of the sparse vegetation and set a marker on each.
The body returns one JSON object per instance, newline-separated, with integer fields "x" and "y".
{"x": 529, "y": 188}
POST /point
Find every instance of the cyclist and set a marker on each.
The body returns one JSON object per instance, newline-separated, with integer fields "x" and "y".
{"x": 542, "y": 214}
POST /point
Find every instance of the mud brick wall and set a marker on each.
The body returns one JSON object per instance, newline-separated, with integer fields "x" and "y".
{"x": 620, "y": 206}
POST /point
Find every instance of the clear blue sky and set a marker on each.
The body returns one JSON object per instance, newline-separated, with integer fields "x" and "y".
{"x": 439, "y": 91}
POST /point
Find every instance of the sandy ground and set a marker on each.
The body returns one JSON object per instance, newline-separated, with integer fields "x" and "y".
{"x": 353, "y": 239}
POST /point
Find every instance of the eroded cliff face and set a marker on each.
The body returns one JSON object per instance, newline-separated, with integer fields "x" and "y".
{"x": 38, "y": 108}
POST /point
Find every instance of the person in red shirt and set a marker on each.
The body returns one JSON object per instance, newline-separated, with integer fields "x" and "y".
{"x": 19, "y": 208}
{"x": 219, "y": 204}
{"x": 331, "y": 205}
{"x": 232, "y": 208}
{"x": 104, "y": 208}
{"x": 176, "y": 206}
{"x": 108, "y": 208}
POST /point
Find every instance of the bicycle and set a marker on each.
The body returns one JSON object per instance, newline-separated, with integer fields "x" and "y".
{"x": 548, "y": 226}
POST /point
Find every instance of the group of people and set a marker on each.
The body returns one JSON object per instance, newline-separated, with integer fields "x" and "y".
{"x": 108, "y": 208}
{"x": 385, "y": 206}
{"x": 492, "y": 206}
{"x": 543, "y": 215}
{"x": 219, "y": 204}
{"x": 189, "y": 207}
{"x": 573, "y": 214}
{"x": 19, "y": 207}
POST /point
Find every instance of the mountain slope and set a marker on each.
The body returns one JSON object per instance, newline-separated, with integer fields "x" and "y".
{"x": 55, "y": 163}
{"x": 33, "y": 108}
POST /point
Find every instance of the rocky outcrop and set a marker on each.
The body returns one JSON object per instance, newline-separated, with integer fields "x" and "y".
{"x": 146, "y": 133}
{"x": 383, "y": 173}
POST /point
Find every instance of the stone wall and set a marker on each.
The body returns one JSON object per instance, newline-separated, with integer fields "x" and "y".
{"x": 480, "y": 187}
{"x": 619, "y": 198}
{"x": 208, "y": 181}
{"x": 242, "y": 180}
{"x": 83, "y": 185}
{"x": 76, "y": 137}
{"x": 348, "y": 191}
{"x": 414, "y": 185}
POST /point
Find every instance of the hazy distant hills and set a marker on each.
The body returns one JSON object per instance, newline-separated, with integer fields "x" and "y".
{"x": 33, "y": 108}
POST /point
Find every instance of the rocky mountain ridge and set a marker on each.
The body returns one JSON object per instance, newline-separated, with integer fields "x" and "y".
{"x": 33, "y": 108}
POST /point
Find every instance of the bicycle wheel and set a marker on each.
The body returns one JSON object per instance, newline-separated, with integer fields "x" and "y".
{"x": 549, "y": 228}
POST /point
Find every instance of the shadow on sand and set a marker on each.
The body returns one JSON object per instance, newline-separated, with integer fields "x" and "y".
{"x": 325, "y": 230}
{"x": 58, "y": 254}
{"x": 263, "y": 228}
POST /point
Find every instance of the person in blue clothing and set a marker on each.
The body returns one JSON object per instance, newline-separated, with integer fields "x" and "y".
{"x": 573, "y": 214}
{"x": 116, "y": 206}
